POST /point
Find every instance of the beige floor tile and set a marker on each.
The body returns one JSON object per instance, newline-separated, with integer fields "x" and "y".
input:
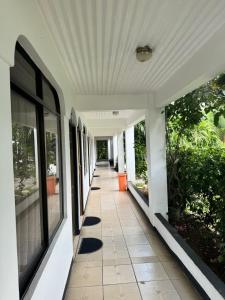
{"x": 150, "y": 271}
{"x": 173, "y": 270}
{"x": 127, "y": 238}
{"x": 132, "y": 230}
{"x": 136, "y": 239}
{"x": 141, "y": 251}
{"x": 111, "y": 241}
{"x": 94, "y": 256}
{"x": 110, "y": 231}
{"x": 164, "y": 258}
{"x": 90, "y": 263}
{"x": 141, "y": 260}
{"x": 127, "y": 291}
{"x": 81, "y": 276}
{"x": 88, "y": 231}
{"x": 185, "y": 289}
{"x": 87, "y": 293}
{"x": 117, "y": 261}
{"x": 118, "y": 274}
{"x": 115, "y": 252}
{"x": 158, "y": 290}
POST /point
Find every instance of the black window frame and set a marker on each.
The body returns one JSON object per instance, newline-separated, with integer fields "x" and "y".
{"x": 85, "y": 150}
{"x": 41, "y": 106}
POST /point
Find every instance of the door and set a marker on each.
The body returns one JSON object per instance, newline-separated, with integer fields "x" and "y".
{"x": 74, "y": 179}
{"x": 80, "y": 170}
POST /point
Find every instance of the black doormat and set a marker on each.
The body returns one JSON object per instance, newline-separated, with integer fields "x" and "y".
{"x": 94, "y": 188}
{"x": 89, "y": 221}
{"x": 96, "y": 175}
{"x": 89, "y": 245}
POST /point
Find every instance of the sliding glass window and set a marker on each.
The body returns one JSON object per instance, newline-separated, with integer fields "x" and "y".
{"x": 36, "y": 144}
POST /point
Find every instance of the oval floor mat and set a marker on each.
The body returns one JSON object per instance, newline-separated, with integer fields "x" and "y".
{"x": 90, "y": 221}
{"x": 94, "y": 188}
{"x": 89, "y": 245}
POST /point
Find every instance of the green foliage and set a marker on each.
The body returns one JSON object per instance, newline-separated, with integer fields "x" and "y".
{"x": 196, "y": 156}
{"x": 140, "y": 151}
{"x": 102, "y": 150}
{"x": 23, "y": 153}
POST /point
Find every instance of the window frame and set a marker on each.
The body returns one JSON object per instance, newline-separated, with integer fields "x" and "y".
{"x": 38, "y": 101}
{"x": 85, "y": 150}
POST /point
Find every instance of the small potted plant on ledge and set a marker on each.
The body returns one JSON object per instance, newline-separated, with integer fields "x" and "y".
{"x": 51, "y": 179}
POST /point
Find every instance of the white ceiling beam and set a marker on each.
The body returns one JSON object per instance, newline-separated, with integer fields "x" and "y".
{"x": 205, "y": 64}
{"x": 106, "y": 123}
{"x": 111, "y": 102}
{"x": 137, "y": 117}
{"x": 105, "y": 131}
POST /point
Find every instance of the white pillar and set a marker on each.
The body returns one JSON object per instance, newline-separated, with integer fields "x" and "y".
{"x": 156, "y": 158}
{"x": 8, "y": 249}
{"x": 130, "y": 153}
{"x": 120, "y": 152}
{"x": 115, "y": 150}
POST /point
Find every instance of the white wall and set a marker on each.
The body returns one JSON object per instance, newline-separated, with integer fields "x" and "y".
{"x": 8, "y": 250}
{"x": 18, "y": 18}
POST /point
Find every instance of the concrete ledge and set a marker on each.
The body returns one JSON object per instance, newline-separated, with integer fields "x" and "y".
{"x": 209, "y": 282}
{"x": 138, "y": 198}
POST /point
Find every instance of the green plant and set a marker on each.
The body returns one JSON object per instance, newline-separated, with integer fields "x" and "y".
{"x": 140, "y": 151}
{"x": 196, "y": 157}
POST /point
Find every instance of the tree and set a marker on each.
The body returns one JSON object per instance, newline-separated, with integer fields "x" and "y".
{"x": 140, "y": 151}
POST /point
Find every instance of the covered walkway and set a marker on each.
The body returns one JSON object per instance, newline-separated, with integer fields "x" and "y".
{"x": 133, "y": 262}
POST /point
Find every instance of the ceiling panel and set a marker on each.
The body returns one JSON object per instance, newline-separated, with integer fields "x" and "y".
{"x": 96, "y": 39}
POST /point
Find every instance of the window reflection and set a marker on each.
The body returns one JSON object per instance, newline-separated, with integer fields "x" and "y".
{"x": 52, "y": 169}
{"x": 26, "y": 183}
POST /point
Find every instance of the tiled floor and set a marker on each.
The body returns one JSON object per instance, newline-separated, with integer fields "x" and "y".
{"x": 133, "y": 263}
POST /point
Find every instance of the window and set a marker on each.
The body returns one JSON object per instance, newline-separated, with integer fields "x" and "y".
{"x": 36, "y": 143}
{"x": 52, "y": 170}
{"x": 85, "y": 150}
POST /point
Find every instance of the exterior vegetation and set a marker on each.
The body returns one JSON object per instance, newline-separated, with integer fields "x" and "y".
{"x": 196, "y": 170}
{"x": 102, "y": 150}
{"x": 140, "y": 157}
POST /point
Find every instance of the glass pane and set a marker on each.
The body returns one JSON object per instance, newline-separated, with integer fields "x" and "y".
{"x": 53, "y": 173}
{"x": 26, "y": 183}
{"x": 23, "y": 74}
{"x": 48, "y": 96}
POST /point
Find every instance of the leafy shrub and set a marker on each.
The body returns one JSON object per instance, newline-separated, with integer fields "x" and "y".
{"x": 196, "y": 157}
{"x": 140, "y": 151}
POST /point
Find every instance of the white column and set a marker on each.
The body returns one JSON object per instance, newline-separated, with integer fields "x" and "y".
{"x": 120, "y": 152}
{"x": 115, "y": 150}
{"x": 130, "y": 153}
{"x": 8, "y": 249}
{"x": 156, "y": 158}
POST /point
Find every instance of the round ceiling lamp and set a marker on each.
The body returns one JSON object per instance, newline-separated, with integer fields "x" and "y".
{"x": 143, "y": 53}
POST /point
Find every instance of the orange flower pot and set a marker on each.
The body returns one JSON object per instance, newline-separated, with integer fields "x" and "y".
{"x": 122, "y": 182}
{"x": 51, "y": 184}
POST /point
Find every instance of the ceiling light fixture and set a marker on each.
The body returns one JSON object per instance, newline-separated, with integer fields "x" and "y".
{"x": 115, "y": 113}
{"x": 143, "y": 53}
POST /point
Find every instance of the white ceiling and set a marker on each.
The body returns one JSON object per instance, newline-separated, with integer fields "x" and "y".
{"x": 102, "y": 115}
{"x": 101, "y": 123}
{"x": 96, "y": 39}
